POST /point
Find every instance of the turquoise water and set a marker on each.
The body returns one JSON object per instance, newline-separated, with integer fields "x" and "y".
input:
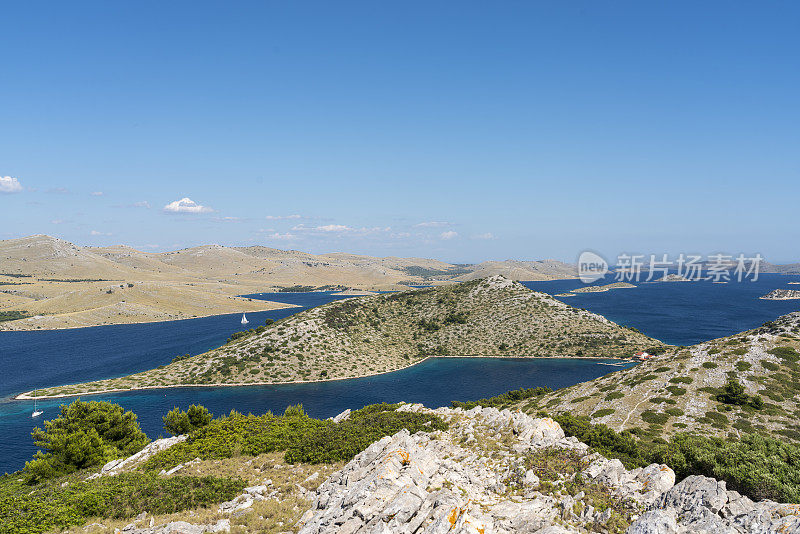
{"x": 678, "y": 313}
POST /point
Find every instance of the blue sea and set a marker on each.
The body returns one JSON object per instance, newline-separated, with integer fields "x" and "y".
{"x": 677, "y": 313}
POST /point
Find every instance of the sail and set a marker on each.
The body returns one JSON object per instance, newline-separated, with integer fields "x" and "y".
{"x": 244, "y": 319}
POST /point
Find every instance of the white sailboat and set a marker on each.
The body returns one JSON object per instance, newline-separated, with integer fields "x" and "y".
{"x": 244, "y": 319}
{"x": 36, "y": 413}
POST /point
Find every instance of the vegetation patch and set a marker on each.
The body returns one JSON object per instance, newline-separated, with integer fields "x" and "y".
{"x": 503, "y": 399}
{"x": 303, "y": 438}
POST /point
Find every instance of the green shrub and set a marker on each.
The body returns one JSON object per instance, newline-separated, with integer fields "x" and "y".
{"x": 603, "y": 439}
{"x": 769, "y": 366}
{"x": 649, "y": 416}
{"x": 676, "y": 391}
{"x": 333, "y": 442}
{"x": 757, "y": 466}
{"x": 177, "y": 422}
{"x": 84, "y": 434}
{"x": 733, "y": 393}
{"x": 710, "y": 365}
{"x": 302, "y": 437}
{"x": 614, "y": 395}
{"x": 603, "y": 412}
{"x": 504, "y": 398}
{"x": 785, "y": 353}
{"x": 49, "y": 505}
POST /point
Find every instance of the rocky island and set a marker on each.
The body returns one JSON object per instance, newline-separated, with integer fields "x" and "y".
{"x": 673, "y": 278}
{"x": 607, "y": 287}
{"x": 374, "y": 334}
{"x": 782, "y": 294}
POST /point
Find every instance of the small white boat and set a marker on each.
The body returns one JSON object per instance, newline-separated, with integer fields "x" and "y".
{"x": 36, "y": 413}
{"x": 244, "y": 319}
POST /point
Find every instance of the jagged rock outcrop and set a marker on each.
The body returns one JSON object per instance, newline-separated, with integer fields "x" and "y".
{"x": 116, "y": 466}
{"x": 501, "y": 472}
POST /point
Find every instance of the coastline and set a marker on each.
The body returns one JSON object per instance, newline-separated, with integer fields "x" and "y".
{"x": 280, "y": 306}
{"x": 27, "y": 395}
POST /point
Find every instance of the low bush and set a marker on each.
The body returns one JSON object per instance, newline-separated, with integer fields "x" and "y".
{"x": 786, "y": 353}
{"x": 504, "y": 398}
{"x": 84, "y": 434}
{"x": 302, "y": 437}
{"x": 681, "y": 380}
{"x": 733, "y": 393}
{"x": 757, "y": 466}
{"x": 177, "y": 422}
{"x": 60, "y": 503}
{"x": 655, "y": 418}
{"x": 608, "y": 442}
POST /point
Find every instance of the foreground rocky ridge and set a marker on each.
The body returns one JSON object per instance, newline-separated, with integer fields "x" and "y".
{"x": 481, "y": 477}
{"x": 500, "y": 472}
{"x": 380, "y": 333}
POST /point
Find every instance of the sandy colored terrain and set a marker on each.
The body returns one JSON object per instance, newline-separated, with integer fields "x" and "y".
{"x": 58, "y": 284}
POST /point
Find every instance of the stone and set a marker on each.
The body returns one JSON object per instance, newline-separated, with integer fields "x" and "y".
{"x": 344, "y": 416}
{"x": 654, "y": 522}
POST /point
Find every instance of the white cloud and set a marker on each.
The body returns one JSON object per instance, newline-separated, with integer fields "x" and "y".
{"x": 333, "y": 228}
{"x": 282, "y": 217}
{"x": 186, "y": 205}
{"x": 141, "y": 204}
{"x": 9, "y": 184}
{"x": 96, "y": 193}
{"x": 486, "y": 235}
{"x": 276, "y": 235}
{"x": 97, "y": 233}
{"x": 59, "y": 190}
{"x": 433, "y": 224}
{"x": 57, "y": 221}
{"x": 450, "y": 234}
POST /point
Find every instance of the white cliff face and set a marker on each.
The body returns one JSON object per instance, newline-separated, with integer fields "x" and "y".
{"x": 477, "y": 477}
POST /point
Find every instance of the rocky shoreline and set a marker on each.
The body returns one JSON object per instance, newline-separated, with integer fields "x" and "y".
{"x": 782, "y": 294}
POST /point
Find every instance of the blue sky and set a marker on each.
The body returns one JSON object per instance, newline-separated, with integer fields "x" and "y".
{"x": 458, "y": 130}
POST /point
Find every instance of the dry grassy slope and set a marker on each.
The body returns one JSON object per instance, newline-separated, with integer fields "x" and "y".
{"x": 521, "y": 270}
{"x": 679, "y": 386}
{"x": 373, "y": 334}
{"x": 84, "y": 304}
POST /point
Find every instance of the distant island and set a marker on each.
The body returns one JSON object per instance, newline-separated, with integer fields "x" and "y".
{"x": 600, "y": 289}
{"x": 363, "y": 336}
{"x": 673, "y": 278}
{"x": 782, "y": 294}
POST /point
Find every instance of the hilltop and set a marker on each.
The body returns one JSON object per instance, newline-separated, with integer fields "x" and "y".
{"x": 395, "y": 468}
{"x": 46, "y": 282}
{"x": 380, "y": 333}
{"x": 684, "y": 388}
